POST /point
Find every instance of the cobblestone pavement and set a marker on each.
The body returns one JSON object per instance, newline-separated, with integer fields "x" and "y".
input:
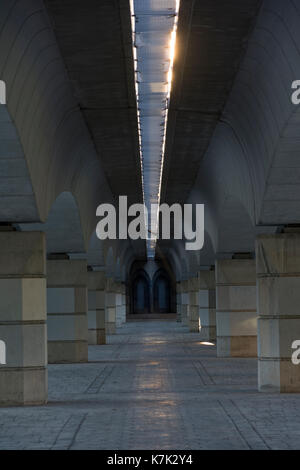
{"x": 155, "y": 386}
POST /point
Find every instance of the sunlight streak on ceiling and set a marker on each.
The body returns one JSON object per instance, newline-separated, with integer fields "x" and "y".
{"x": 154, "y": 25}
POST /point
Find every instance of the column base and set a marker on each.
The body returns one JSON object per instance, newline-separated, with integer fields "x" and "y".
{"x": 207, "y": 333}
{"x": 184, "y": 314}
{"x": 237, "y": 346}
{"x": 110, "y": 328}
{"x": 60, "y": 352}
{"x": 23, "y": 386}
{"x": 194, "y": 326}
{"x": 184, "y": 321}
{"x": 278, "y": 376}
{"x": 97, "y": 336}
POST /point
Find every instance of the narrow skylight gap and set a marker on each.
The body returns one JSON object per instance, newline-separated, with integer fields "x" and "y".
{"x": 154, "y": 26}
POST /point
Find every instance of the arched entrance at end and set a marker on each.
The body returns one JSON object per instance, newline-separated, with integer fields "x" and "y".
{"x": 141, "y": 292}
{"x": 161, "y": 292}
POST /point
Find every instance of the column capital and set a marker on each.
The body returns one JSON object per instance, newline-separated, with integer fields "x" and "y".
{"x": 96, "y": 280}
{"x": 66, "y": 272}
{"x": 22, "y": 254}
{"x": 207, "y": 279}
{"x": 278, "y": 254}
{"x": 235, "y": 272}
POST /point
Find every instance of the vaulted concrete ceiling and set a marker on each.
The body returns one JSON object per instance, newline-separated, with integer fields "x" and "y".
{"x": 211, "y": 41}
{"x": 95, "y": 41}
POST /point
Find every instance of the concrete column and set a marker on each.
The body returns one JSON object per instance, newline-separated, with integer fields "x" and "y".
{"x": 110, "y": 307}
{"x": 178, "y": 300}
{"x": 207, "y": 305}
{"x": 96, "y": 307}
{"x": 185, "y": 302}
{"x": 278, "y": 285}
{"x": 23, "y": 379}
{"x": 236, "y": 315}
{"x": 193, "y": 312}
{"x": 67, "y": 311}
{"x": 119, "y": 304}
{"x": 124, "y": 308}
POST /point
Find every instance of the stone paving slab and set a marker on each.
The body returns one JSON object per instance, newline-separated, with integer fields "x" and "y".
{"x": 155, "y": 386}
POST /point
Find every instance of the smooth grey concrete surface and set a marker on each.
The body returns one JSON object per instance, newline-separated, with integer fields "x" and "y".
{"x": 67, "y": 310}
{"x": 184, "y": 301}
{"x": 236, "y": 315}
{"x": 23, "y": 379}
{"x": 96, "y": 307}
{"x": 154, "y": 386}
{"x": 249, "y": 170}
{"x": 207, "y": 305}
{"x": 178, "y": 301}
{"x": 212, "y": 41}
{"x": 193, "y": 310}
{"x": 278, "y": 282}
{"x": 111, "y": 298}
{"x": 102, "y": 78}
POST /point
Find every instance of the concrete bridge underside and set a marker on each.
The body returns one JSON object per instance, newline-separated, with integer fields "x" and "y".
{"x": 69, "y": 141}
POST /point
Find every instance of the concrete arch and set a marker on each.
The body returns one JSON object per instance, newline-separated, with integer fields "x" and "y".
{"x": 236, "y": 231}
{"x": 63, "y": 228}
{"x": 95, "y": 256}
{"x": 249, "y": 176}
{"x": 225, "y": 186}
{"x": 17, "y": 199}
{"x": 127, "y": 257}
{"x": 192, "y": 263}
{"x": 208, "y": 254}
{"x": 175, "y": 263}
{"x": 260, "y": 112}
{"x": 59, "y": 153}
{"x": 117, "y": 273}
{"x": 110, "y": 262}
{"x": 178, "y": 254}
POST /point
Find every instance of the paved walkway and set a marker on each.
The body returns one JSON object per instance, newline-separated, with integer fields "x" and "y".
{"x": 154, "y": 386}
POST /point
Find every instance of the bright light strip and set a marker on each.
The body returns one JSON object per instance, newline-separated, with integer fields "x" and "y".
{"x": 148, "y": 196}
{"x": 137, "y": 90}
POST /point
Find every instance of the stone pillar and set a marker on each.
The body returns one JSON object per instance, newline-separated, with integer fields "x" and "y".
{"x": 278, "y": 283}
{"x": 185, "y": 302}
{"x": 96, "y": 307}
{"x": 119, "y": 304}
{"x": 193, "y": 313}
{"x": 207, "y": 305}
{"x": 23, "y": 379}
{"x": 236, "y": 315}
{"x": 124, "y": 309}
{"x": 178, "y": 301}
{"x": 67, "y": 311}
{"x": 110, "y": 307}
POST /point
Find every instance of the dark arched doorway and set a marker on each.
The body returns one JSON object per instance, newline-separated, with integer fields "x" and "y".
{"x": 141, "y": 292}
{"x": 161, "y": 293}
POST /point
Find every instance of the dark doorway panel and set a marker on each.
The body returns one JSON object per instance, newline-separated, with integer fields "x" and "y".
{"x": 141, "y": 292}
{"x": 161, "y": 293}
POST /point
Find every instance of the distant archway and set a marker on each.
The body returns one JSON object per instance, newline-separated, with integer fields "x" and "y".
{"x": 141, "y": 292}
{"x": 161, "y": 292}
